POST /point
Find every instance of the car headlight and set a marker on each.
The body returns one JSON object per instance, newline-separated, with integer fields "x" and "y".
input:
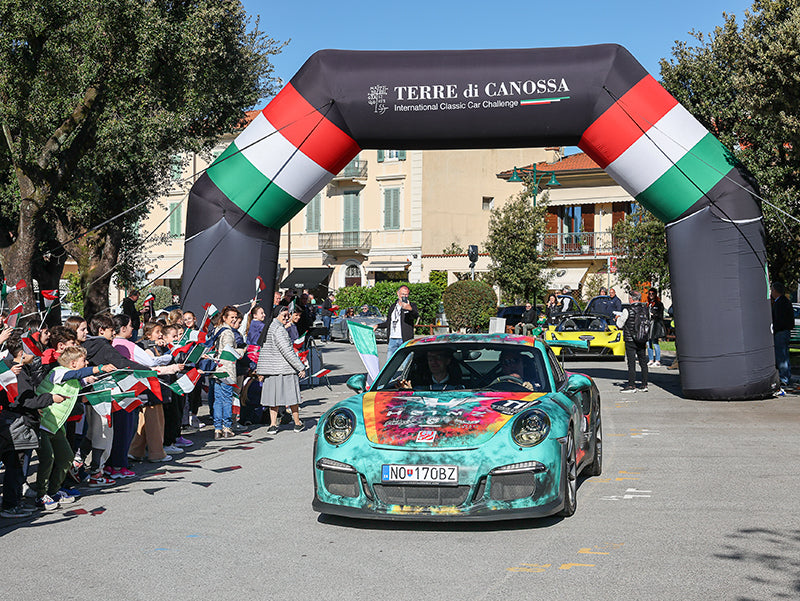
{"x": 619, "y": 337}
{"x": 339, "y": 426}
{"x": 530, "y": 428}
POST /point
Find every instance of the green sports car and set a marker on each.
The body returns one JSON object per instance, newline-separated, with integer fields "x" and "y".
{"x": 480, "y": 427}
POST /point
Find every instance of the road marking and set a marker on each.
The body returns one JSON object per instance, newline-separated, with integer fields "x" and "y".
{"x": 624, "y": 472}
{"x": 531, "y": 567}
{"x": 567, "y": 566}
{"x": 587, "y": 551}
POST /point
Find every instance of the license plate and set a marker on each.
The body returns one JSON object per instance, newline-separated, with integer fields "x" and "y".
{"x": 420, "y": 474}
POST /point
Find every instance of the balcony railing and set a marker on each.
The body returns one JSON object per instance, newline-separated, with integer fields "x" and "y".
{"x": 582, "y": 244}
{"x": 333, "y": 241}
{"x": 355, "y": 169}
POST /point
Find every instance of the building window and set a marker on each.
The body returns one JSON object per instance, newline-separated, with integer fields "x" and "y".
{"x": 487, "y": 203}
{"x": 175, "y": 220}
{"x": 176, "y": 168}
{"x": 314, "y": 214}
{"x": 391, "y": 208}
{"x": 391, "y": 155}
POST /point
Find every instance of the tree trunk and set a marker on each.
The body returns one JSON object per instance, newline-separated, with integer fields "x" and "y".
{"x": 47, "y": 272}
{"x": 18, "y": 256}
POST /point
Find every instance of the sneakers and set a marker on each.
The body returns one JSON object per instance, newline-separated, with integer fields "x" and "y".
{"x": 651, "y": 363}
{"x": 272, "y": 430}
{"x": 71, "y": 492}
{"x": 135, "y": 458}
{"x": 237, "y": 427}
{"x": 124, "y": 472}
{"x": 656, "y": 363}
{"x": 173, "y": 449}
{"x": 16, "y": 512}
{"x": 28, "y": 491}
{"x": 111, "y": 472}
{"x": 98, "y": 480}
{"x": 76, "y": 472}
{"x": 194, "y": 422}
{"x": 63, "y": 497}
{"x": 228, "y": 433}
{"x": 164, "y": 459}
{"x": 643, "y": 389}
{"x": 47, "y": 503}
{"x": 183, "y": 442}
{"x": 299, "y": 427}
{"x": 627, "y": 389}
{"x": 780, "y": 392}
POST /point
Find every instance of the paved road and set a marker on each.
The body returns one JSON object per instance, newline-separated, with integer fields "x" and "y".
{"x": 698, "y": 500}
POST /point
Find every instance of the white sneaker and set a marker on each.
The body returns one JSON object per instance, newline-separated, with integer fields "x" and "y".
{"x": 656, "y": 363}
{"x": 28, "y": 492}
{"x": 173, "y": 449}
{"x": 650, "y": 363}
{"x": 194, "y": 422}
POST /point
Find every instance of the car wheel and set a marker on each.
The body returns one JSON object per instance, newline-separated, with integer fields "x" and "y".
{"x": 570, "y": 477}
{"x": 596, "y": 467}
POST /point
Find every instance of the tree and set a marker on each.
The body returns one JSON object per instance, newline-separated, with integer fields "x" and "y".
{"x": 515, "y": 243}
{"x": 642, "y": 238}
{"x": 743, "y": 84}
{"x": 96, "y": 99}
{"x": 469, "y": 304}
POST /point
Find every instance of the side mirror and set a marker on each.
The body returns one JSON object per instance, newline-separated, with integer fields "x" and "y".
{"x": 357, "y": 383}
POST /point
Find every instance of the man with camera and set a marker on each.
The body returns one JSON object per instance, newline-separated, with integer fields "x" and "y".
{"x": 400, "y": 321}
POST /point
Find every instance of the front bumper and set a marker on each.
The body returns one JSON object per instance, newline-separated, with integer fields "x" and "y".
{"x": 352, "y": 487}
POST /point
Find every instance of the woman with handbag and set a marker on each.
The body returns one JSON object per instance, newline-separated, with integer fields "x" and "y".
{"x": 19, "y": 423}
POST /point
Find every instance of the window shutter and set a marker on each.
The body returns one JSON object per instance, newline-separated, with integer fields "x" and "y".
{"x": 401, "y": 155}
{"x": 313, "y": 214}
{"x": 380, "y": 156}
{"x": 175, "y": 220}
{"x": 391, "y": 209}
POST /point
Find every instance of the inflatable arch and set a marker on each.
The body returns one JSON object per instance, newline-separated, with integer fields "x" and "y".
{"x": 596, "y": 97}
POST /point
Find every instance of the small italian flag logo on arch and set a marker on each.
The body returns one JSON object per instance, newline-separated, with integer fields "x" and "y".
{"x": 535, "y": 101}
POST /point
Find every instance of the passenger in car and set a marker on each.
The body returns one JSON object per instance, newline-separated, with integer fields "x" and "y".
{"x": 438, "y": 372}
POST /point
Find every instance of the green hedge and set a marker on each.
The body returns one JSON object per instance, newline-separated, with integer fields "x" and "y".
{"x": 469, "y": 304}
{"x": 425, "y": 295}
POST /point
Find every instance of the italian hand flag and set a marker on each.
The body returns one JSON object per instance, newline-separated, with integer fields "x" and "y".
{"x": 298, "y": 344}
{"x": 6, "y": 289}
{"x": 367, "y": 348}
{"x": 101, "y": 403}
{"x": 230, "y": 354}
{"x": 13, "y": 316}
{"x": 49, "y": 296}
{"x": 211, "y": 311}
{"x": 30, "y": 345}
{"x": 186, "y": 383}
{"x": 8, "y": 381}
{"x": 138, "y": 381}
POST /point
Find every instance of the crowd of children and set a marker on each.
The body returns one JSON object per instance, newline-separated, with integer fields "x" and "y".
{"x": 48, "y": 377}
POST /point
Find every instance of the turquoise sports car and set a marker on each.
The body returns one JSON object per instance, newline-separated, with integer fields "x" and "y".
{"x": 475, "y": 427}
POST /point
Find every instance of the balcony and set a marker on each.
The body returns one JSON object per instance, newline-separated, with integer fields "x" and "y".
{"x": 582, "y": 245}
{"x": 332, "y": 242}
{"x": 354, "y": 170}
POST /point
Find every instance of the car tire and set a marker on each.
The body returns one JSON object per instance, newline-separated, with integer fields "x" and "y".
{"x": 570, "y": 477}
{"x": 596, "y": 467}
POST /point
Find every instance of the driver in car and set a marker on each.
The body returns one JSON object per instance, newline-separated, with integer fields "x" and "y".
{"x": 513, "y": 369}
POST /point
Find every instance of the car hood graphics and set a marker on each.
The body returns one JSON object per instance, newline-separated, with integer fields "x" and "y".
{"x": 426, "y": 420}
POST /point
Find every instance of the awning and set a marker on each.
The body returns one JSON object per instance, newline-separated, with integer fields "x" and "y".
{"x": 567, "y": 276}
{"x": 387, "y": 266}
{"x": 308, "y": 277}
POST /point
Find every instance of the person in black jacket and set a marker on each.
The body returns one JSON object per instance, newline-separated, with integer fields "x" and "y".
{"x": 634, "y": 350}
{"x": 26, "y": 403}
{"x": 400, "y": 320}
{"x": 782, "y": 324}
{"x": 129, "y": 309}
{"x": 528, "y": 321}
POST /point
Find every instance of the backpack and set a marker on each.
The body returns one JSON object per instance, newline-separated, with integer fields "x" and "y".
{"x": 641, "y": 324}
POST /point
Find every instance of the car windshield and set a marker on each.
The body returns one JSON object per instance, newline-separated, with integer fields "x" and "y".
{"x": 368, "y": 311}
{"x": 465, "y": 366}
{"x": 580, "y": 323}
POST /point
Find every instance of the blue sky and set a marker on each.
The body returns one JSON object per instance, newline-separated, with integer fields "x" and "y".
{"x": 647, "y": 29}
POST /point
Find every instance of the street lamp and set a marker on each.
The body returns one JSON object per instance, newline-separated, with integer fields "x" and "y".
{"x": 536, "y": 177}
